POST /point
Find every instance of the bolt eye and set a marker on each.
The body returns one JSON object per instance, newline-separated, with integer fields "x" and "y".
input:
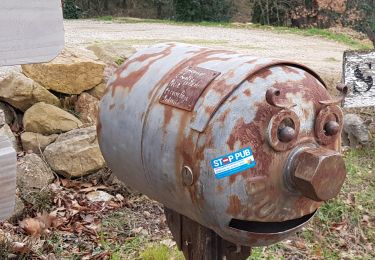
{"x": 286, "y": 134}
{"x": 331, "y": 128}
{"x": 283, "y": 130}
{"x": 286, "y": 131}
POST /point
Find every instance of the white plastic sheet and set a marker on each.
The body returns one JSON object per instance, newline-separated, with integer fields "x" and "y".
{"x": 8, "y": 167}
{"x": 31, "y": 31}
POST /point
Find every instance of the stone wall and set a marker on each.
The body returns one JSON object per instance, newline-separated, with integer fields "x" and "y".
{"x": 49, "y": 112}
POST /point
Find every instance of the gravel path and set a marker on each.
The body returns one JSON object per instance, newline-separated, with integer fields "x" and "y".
{"x": 322, "y": 55}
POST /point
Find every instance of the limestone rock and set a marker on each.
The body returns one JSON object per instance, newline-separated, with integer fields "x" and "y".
{"x": 47, "y": 119}
{"x": 99, "y": 196}
{"x": 36, "y": 142}
{"x": 33, "y": 175}
{"x": 112, "y": 52}
{"x": 87, "y": 107}
{"x": 98, "y": 91}
{"x": 356, "y": 131}
{"x": 22, "y": 92}
{"x": 8, "y": 114}
{"x": 5, "y": 130}
{"x": 69, "y": 73}
{"x": 6, "y": 70}
{"x": 75, "y": 153}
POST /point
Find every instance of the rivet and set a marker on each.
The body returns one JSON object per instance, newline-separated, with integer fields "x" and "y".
{"x": 331, "y": 128}
{"x": 286, "y": 134}
{"x": 187, "y": 176}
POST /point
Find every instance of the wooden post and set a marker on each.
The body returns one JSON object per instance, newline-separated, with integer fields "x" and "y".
{"x": 199, "y": 242}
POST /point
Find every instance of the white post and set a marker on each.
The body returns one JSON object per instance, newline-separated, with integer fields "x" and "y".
{"x": 31, "y": 31}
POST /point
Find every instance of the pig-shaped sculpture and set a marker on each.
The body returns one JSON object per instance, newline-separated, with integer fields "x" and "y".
{"x": 246, "y": 147}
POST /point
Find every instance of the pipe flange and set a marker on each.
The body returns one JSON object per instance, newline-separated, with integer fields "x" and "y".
{"x": 328, "y": 125}
{"x": 286, "y": 122}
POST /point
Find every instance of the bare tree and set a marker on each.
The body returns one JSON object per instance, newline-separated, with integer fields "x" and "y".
{"x": 371, "y": 35}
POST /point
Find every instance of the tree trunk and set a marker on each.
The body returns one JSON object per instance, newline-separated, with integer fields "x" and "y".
{"x": 199, "y": 242}
{"x": 371, "y": 35}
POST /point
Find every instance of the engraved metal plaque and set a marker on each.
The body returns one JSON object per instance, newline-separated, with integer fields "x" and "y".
{"x": 185, "y": 89}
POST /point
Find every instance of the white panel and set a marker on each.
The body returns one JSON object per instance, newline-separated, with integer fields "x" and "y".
{"x": 359, "y": 76}
{"x": 8, "y": 169}
{"x": 31, "y": 31}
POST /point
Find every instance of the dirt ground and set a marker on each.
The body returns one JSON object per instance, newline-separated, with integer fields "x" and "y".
{"x": 322, "y": 55}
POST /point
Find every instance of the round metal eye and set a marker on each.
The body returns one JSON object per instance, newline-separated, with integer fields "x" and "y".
{"x": 328, "y": 125}
{"x": 283, "y": 130}
{"x": 332, "y": 128}
{"x": 286, "y": 134}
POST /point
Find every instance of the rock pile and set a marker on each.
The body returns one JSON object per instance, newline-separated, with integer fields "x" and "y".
{"x": 49, "y": 112}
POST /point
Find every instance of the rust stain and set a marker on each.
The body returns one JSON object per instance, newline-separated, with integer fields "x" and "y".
{"x": 224, "y": 115}
{"x": 99, "y": 124}
{"x": 232, "y": 179}
{"x": 219, "y": 188}
{"x": 264, "y": 73}
{"x": 185, "y": 147}
{"x": 235, "y": 207}
{"x": 247, "y": 92}
{"x": 130, "y": 80}
{"x": 288, "y": 69}
{"x": 168, "y": 113}
{"x": 305, "y": 114}
{"x": 232, "y": 99}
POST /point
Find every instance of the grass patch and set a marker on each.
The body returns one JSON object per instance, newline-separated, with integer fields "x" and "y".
{"x": 7, "y": 251}
{"x": 323, "y": 33}
{"x": 5, "y": 248}
{"x": 119, "y": 61}
{"x": 105, "y": 18}
{"x": 41, "y": 201}
{"x": 117, "y": 237}
{"x": 161, "y": 252}
{"x": 332, "y": 59}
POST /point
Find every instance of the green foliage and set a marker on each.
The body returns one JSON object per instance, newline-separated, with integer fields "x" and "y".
{"x": 106, "y": 18}
{"x": 199, "y": 10}
{"x": 42, "y": 200}
{"x": 276, "y": 12}
{"x": 161, "y": 252}
{"x": 70, "y": 9}
{"x": 119, "y": 61}
{"x": 188, "y": 10}
{"x": 5, "y": 248}
{"x": 366, "y": 16}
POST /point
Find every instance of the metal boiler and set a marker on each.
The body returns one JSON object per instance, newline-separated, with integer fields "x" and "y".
{"x": 245, "y": 146}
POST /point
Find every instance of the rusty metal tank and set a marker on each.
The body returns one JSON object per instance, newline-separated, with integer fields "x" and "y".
{"x": 245, "y": 146}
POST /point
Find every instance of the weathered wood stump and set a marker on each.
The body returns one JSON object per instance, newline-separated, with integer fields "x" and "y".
{"x": 199, "y": 242}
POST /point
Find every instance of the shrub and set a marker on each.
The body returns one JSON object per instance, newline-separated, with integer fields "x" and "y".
{"x": 200, "y": 10}
{"x": 70, "y": 9}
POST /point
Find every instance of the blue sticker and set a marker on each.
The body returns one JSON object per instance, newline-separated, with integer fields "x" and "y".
{"x": 233, "y": 163}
